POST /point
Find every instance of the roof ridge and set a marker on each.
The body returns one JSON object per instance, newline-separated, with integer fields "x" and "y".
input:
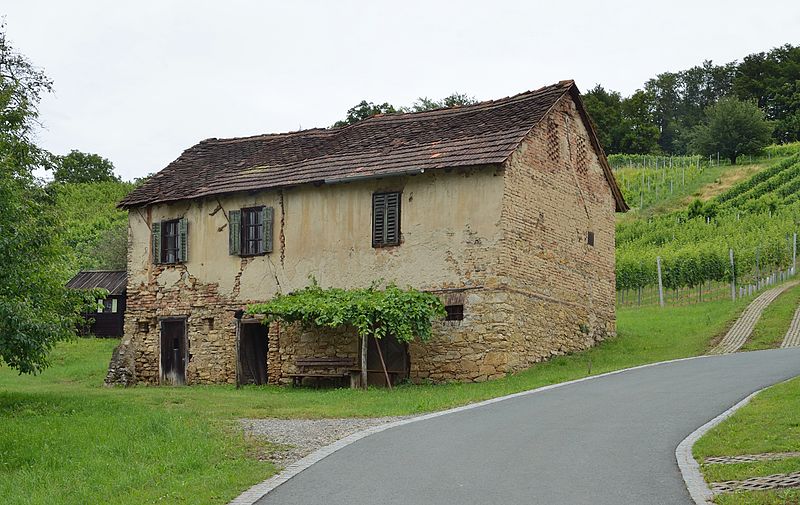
{"x": 325, "y": 132}
{"x": 482, "y": 105}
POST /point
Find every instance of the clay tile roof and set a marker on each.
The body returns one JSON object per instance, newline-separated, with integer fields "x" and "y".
{"x": 115, "y": 281}
{"x": 384, "y": 145}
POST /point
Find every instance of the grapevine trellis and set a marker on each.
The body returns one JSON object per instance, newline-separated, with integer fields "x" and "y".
{"x": 756, "y": 219}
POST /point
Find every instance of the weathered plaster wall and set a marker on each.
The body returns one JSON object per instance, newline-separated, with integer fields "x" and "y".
{"x": 450, "y": 234}
{"x": 511, "y": 241}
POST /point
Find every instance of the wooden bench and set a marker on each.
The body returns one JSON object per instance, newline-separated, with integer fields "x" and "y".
{"x": 320, "y": 368}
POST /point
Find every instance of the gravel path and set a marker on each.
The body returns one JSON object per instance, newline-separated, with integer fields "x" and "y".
{"x": 297, "y": 438}
{"x": 792, "y": 337}
{"x": 743, "y": 327}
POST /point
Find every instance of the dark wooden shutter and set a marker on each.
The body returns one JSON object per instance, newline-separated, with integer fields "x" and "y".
{"x": 183, "y": 240}
{"x": 267, "y": 218}
{"x": 156, "y": 242}
{"x": 235, "y": 232}
{"x": 392, "y": 219}
{"x": 378, "y": 219}
{"x": 385, "y": 219}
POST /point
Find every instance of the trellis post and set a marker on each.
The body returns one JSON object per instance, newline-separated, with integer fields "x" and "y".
{"x": 660, "y": 284}
{"x": 733, "y": 276}
{"x": 364, "y": 361}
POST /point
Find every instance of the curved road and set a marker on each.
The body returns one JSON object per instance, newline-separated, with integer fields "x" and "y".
{"x": 607, "y": 441}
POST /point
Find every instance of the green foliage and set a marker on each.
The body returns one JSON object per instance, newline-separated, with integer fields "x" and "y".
{"x": 36, "y": 311}
{"x": 776, "y": 150}
{"x": 776, "y": 185}
{"x": 364, "y": 110}
{"x": 424, "y": 103}
{"x": 78, "y": 167}
{"x": 94, "y": 230}
{"x": 373, "y": 312}
{"x": 662, "y": 115}
{"x": 646, "y": 180}
{"x": 731, "y": 128}
{"x": 756, "y": 218}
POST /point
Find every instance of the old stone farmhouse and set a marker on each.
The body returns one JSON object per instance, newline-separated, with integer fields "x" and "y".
{"x": 505, "y": 209}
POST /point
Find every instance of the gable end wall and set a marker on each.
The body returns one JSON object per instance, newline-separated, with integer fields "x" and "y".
{"x": 562, "y": 288}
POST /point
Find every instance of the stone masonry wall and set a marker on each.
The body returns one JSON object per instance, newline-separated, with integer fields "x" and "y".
{"x": 210, "y": 326}
{"x": 561, "y": 287}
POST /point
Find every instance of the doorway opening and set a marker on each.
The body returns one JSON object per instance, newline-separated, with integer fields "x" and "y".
{"x": 173, "y": 351}
{"x": 395, "y": 355}
{"x": 253, "y": 346}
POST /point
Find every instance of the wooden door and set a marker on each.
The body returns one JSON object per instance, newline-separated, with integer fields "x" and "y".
{"x": 173, "y": 352}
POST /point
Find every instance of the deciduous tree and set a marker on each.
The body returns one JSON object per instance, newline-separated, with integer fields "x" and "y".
{"x": 732, "y": 128}
{"x": 36, "y": 310}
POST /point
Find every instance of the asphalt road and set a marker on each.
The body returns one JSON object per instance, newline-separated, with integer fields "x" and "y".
{"x": 608, "y": 441}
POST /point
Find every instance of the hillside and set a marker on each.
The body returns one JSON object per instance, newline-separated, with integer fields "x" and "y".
{"x": 756, "y": 217}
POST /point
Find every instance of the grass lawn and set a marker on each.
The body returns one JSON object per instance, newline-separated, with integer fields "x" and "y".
{"x": 769, "y": 423}
{"x": 774, "y": 322}
{"x": 65, "y": 439}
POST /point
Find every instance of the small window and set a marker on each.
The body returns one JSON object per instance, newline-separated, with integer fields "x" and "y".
{"x": 252, "y": 231}
{"x": 454, "y": 312}
{"x": 590, "y": 238}
{"x": 385, "y": 219}
{"x": 143, "y": 326}
{"x": 109, "y": 305}
{"x": 169, "y": 241}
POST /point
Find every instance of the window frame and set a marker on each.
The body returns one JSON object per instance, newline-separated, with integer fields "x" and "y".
{"x": 166, "y": 238}
{"x": 245, "y": 225}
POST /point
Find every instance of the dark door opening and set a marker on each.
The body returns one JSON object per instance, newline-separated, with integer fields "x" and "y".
{"x": 173, "y": 352}
{"x": 253, "y": 344}
{"x": 395, "y": 354}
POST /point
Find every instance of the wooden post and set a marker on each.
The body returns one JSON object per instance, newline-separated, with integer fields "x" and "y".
{"x": 238, "y": 361}
{"x": 383, "y": 363}
{"x": 733, "y": 276}
{"x": 794, "y": 253}
{"x": 364, "y": 361}
{"x": 660, "y": 285}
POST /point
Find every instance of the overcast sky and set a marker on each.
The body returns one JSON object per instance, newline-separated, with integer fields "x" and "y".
{"x": 140, "y": 82}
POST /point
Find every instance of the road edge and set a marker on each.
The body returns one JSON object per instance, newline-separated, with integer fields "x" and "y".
{"x": 690, "y": 469}
{"x": 260, "y": 490}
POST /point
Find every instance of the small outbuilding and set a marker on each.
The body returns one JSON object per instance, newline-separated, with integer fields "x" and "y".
{"x": 108, "y": 321}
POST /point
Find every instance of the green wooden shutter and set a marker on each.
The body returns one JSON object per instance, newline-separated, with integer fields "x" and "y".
{"x": 234, "y": 232}
{"x": 156, "y": 242}
{"x": 183, "y": 240}
{"x": 267, "y": 218}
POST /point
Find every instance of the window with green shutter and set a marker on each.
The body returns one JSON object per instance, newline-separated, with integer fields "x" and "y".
{"x": 250, "y": 231}
{"x": 171, "y": 241}
{"x": 385, "y": 219}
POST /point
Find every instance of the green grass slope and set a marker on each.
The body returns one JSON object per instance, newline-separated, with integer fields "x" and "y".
{"x": 66, "y": 439}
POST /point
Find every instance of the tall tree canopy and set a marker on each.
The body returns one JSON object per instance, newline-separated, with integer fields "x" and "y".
{"x": 78, "y": 167}
{"x": 36, "y": 310}
{"x": 675, "y": 102}
{"x": 732, "y": 128}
